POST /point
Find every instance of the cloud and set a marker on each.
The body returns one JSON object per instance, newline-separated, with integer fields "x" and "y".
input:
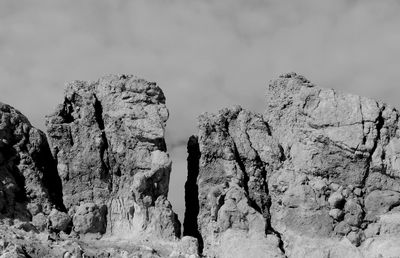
{"x": 204, "y": 54}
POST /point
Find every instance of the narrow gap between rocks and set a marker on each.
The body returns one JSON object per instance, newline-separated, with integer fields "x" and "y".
{"x": 190, "y": 224}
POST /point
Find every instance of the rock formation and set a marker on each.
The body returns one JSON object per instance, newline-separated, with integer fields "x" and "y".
{"x": 29, "y": 184}
{"x": 101, "y": 189}
{"x": 108, "y": 140}
{"x": 315, "y": 175}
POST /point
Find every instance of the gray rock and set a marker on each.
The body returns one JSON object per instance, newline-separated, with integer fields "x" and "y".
{"x": 40, "y": 221}
{"x": 108, "y": 139}
{"x": 315, "y": 170}
{"x": 336, "y": 214}
{"x": 90, "y": 218}
{"x": 29, "y": 182}
{"x": 236, "y": 151}
{"x": 59, "y": 221}
{"x": 380, "y": 202}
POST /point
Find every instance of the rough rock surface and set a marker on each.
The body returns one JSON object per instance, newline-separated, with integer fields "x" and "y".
{"x": 108, "y": 140}
{"x": 29, "y": 183}
{"x": 315, "y": 175}
{"x": 101, "y": 189}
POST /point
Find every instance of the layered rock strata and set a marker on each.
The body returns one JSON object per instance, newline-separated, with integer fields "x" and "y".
{"x": 108, "y": 139}
{"x": 315, "y": 175}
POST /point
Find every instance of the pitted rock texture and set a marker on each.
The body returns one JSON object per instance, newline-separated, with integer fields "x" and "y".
{"x": 108, "y": 140}
{"x": 315, "y": 175}
{"x": 29, "y": 184}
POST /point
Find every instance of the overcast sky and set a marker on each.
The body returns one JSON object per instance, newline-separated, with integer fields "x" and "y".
{"x": 204, "y": 54}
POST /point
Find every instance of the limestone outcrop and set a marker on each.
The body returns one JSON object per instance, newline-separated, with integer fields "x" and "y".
{"x": 108, "y": 139}
{"x": 315, "y": 175}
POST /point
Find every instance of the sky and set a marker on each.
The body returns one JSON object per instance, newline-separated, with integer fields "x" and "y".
{"x": 204, "y": 54}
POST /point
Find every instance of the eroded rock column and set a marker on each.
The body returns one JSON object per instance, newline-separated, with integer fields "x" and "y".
{"x": 108, "y": 139}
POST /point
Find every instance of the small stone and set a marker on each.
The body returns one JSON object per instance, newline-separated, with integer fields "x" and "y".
{"x": 334, "y": 186}
{"x": 34, "y": 208}
{"x": 90, "y": 218}
{"x": 40, "y": 221}
{"x": 354, "y": 213}
{"x": 346, "y": 192}
{"x": 357, "y": 191}
{"x": 336, "y": 214}
{"x": 355, "y": 237}
{"x": 372, "y": 230}
{"x": 342, "y": 228}
{"x": 59, "y": 221}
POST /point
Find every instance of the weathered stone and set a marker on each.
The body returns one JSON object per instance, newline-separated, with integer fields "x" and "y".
{"x": 372, "y": 230}
{"x": 354, "y": 213}
{"x": 29, "y": 183}
{"x": 336, "y": 214}
{"x": 355, "y": 237}
{"x": 236, "y": 151}
{"x": 380, "y": 202}
{"x": 59, "y": 221}
{"x": 108, "y": 139}
{"x": 314, "y": 158}
{"x": 90, "y": 218}
{"x": 40, "y": 221}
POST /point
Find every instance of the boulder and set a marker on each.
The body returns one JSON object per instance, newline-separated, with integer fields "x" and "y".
{"x": 90, "y": 218}
{"x": 59, "y": 221}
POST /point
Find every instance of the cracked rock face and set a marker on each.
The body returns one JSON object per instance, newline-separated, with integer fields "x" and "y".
{"x": 235, "y": 152}
{"x": 315, "y": 175}
{"x": 108, "y": 140}
{"x": 29, "y": 184}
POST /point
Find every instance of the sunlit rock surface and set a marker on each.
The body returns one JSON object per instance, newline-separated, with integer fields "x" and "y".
{"x": 315, "y": 175}
{"x": 108, "y": 139}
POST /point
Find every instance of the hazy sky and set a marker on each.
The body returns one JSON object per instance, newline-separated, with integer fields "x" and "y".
{"x": 204, "y": 54}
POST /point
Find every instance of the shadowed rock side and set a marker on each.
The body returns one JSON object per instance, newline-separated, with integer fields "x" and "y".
{"x": 108, "y": 140}
{"x": 29, "y": 185}
{"x": 316, "y": 175}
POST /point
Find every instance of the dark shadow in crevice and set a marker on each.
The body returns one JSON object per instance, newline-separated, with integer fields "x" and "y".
{"x": 269, "y": 229}
{"x": 66, "y": 112}
{"x": 190, "y": 223}
{"x": 51, "y": 179}
{"x": 105, "y": 171}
